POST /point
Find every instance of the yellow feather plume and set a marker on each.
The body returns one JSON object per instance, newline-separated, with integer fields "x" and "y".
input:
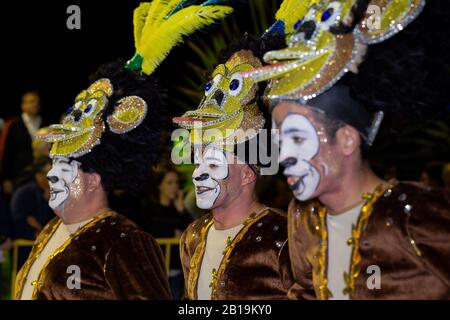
{"x": 290, "y": 12}
{"x": 156, "y": 32}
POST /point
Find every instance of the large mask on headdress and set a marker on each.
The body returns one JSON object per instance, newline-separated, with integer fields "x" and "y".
{"x": 322, "y": 50}
{"x": 229, "y": 105}
{"x": 83, "y": 125}
{"x": 158, "y": 27}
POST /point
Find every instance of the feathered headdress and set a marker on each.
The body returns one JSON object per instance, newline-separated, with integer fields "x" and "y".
{"x": 114, "y": 126}
{"x": 231, "y": 106}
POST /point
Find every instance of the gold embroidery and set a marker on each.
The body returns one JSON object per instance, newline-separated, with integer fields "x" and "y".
{"x": 366, "y": 211}
{"x": 350, "y": 278}
{"x": 213, "y": 281}
{"x": 196, "y": 260}
{"x": 323, "y": 289}
{"x": 43, "y": 243}
{"x": 43, "y": 273}
{"x": 40, "y": 243}
{"x": 226, "y": 258}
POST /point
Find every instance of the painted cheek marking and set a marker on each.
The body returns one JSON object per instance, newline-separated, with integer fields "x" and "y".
{"x": 325, "y": 168}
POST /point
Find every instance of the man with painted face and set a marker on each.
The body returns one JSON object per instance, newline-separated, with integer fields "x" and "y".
{"x": 108, "y": 140}
{"x": 239, "y": 249}
{"x": 351, "y": 234}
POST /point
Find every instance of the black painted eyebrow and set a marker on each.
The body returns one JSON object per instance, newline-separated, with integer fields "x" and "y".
{"x": 291, "y": 130}
{"x": 212, "y": 158}
{"x": 64, "y": 161}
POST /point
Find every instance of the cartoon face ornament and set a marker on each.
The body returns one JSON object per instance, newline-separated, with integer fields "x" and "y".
{"x": 318, "y": 56}
{"x": 229, "y": 106}
{"x": 61, "y": 178}
{"x": 300, "y": 144}
{"x": 83, "y": 126}
{"x": 211, "y": 168}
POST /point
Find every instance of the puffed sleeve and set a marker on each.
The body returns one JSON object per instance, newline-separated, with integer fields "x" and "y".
{"x": 429, "y": 228}
{"x": 287, "y": 278}
{"x": 134, "y": 268}
{"x": 298, "y": 236}
{"x": 185, "y": 261}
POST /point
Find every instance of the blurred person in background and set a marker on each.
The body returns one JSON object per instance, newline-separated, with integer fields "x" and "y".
{"x": 40, "y": 150}
{"x": 29, "y": 206}
{"x": 446, "y": 175}
{"x": 17, "y": 152}
{"x": 273, "y": 191}
{"x": 164, "y": 216}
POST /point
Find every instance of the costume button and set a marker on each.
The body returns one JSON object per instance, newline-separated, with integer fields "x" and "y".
{"x": 407, "y": 209}
{"x": 388, "y": 193}
{"x": 389, "y": 222}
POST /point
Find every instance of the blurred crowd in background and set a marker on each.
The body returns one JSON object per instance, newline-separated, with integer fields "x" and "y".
{"x": 164, "y": 207}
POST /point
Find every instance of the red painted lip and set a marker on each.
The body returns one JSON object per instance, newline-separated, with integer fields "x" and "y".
{"x": 188, "y": 119}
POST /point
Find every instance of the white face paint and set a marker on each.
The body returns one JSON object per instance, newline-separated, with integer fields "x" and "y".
{"x": 212, "y": 167}
{"x": 61, "y": 176}
{"x": 299, "y": 144}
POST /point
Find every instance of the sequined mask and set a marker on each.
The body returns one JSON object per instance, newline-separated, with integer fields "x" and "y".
{"x": 229, "y": 104}
{"x": 318, "y": 56}
{"x": 82, "y": 127}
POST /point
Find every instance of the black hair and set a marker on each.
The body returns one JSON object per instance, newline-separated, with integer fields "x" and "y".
{"x": 30, "y": 91}
{"x": 124, "y": 160}
{"x": 406, "y": 76}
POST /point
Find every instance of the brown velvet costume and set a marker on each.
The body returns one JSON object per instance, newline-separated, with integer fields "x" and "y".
{"x": 255, "y": 265}
{"x": 116, "y": 258}
{"x": 403, "y": 228}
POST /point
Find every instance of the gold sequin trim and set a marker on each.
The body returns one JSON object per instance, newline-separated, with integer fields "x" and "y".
{"x": 226, "y": 258}
{"x": 43, "y": 273}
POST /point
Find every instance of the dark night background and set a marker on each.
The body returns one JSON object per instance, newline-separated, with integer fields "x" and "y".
{"x": 39, "y": 52}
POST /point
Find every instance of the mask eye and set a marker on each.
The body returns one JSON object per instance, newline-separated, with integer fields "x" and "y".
{"x": 330, "y": 15}
{"x": 90, "y": 107}
{"x": 74, "y": 107}
{"x": 297, "y": 24}
{"x": 210, "y": 86}
{"x": 236, "y": 84}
